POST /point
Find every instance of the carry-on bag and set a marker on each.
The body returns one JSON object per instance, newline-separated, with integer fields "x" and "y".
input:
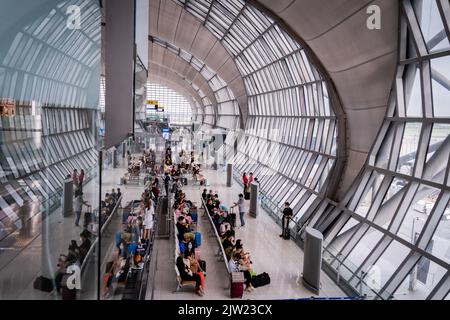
{"x": 198, "y": 239}
{"x": 237, "y": 285}
{"x": 43, "y": 284}
{"x": 287, "y": 233}
{"x": 87, "y": 217}
{"x": 202, "y": 264}
{"x": 260, "y": 280}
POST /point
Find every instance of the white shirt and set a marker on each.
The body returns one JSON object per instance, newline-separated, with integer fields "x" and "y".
{"x": 233, "y": 266}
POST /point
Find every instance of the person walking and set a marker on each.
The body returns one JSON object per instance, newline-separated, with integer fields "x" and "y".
{"x": 78, "y": 206}
{"x": 166, "y": 183}
{"x": 240, "y": 205}
{"x": 287, "y": 215}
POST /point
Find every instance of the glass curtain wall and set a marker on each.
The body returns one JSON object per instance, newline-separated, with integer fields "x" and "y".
{"x": 392, "y": 237}
{"x": 49, "y": 89}
{"x": 289, "y": 141}
{"x": 171, "y": 105}
{"x": 227, "y": 106}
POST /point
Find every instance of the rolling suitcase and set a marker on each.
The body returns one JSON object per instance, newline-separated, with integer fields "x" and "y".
{"x": 194, "y": 215}
{"x": 184, "y": 181}
{"x": 287, "y": 234}
{"x": 198, "y": 239}
{"x": 87, "y": 218}
{"x": 68, "y": 294}
{"x": 237, "y": 285}
{"x": 202, "y": 264}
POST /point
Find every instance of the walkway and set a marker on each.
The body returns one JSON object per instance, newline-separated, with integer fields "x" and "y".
{"x": 282, "y": 259}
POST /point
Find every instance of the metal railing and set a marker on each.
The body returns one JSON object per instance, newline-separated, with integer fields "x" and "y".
{"x": 221, "y": 252}
{"x": 89, "y": 265}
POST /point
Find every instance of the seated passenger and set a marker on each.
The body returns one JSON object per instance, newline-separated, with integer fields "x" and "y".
{"x": 236, "y": 265}
{"x": 85, "y": 244}
{"x": 184, "y": 232}
{"x": 224, "y": 227}
{"x": 187, "y": 275}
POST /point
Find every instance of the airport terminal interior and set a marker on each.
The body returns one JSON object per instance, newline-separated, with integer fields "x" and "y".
{"x": 224, "y": 149}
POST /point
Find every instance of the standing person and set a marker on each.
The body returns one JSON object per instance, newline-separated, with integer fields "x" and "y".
{"x": 205, "y": 194}
{"x": 250, "y": 180}
{"x": 81, "y": 179}
{"x": 148, "y": 219}
{"x": 129, "y": 157}
{"x": 240, "y": 205}
{"x": 75, "y": 177}
{"x": 287, "y": 214}
{"x": 245, "y": 181}
{"x": 166, "y": 183}
{"x": 78, "y": 206}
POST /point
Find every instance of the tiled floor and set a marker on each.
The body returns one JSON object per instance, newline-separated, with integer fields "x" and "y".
{"x": 282, "y": 259}
{"x": 40, "y": 257}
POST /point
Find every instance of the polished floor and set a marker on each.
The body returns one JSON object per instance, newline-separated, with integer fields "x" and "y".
{"x": 282, "y": 259}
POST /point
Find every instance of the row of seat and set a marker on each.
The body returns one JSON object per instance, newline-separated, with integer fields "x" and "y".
{"x": 221, "y": 251}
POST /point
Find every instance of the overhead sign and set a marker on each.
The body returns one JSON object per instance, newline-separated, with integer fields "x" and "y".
{"x": 152, "y": 102}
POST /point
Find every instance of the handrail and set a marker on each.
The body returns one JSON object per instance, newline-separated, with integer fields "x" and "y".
{"x": 110, "y": 216}
{"x": 141, "y": 285}
{"x": 217, "y": 236}
{"x": 147, "y": 256}
{"x": 91, "y": 249}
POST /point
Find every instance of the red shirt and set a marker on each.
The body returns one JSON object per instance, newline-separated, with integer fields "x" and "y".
{"x": 81, "y": 177}
{"x": 245, "y": 180}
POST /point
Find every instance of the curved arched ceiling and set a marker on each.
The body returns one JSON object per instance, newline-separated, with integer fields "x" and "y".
{"x": 177, "y": 85}
{"x": 163, "y": 57}
{"x": 171, "y": 23}
{"x": 361, "y": 62}
{"x": 160, "y": 72}
{"x": 225, "y": 106}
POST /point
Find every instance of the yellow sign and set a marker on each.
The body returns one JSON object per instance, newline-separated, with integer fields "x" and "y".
{"x": 152, "y": 102}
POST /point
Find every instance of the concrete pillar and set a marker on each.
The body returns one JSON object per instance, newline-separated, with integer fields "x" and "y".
{"x": 254, "y": 200}
{"x": 312, "y": 259}
{"x": 67, "y": 198}
{"x": 114, "y": 158}
{"x": 216, "y": 160}
{"x": 229, "y": 174}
